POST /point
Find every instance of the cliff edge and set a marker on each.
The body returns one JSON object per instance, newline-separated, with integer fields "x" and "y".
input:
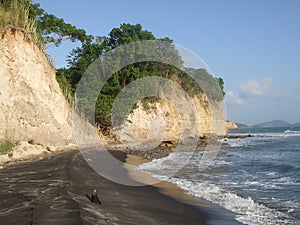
{"x": 31, "y": 103}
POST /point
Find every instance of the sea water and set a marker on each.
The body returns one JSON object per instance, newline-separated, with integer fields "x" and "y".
{"x": 257, "y": 177}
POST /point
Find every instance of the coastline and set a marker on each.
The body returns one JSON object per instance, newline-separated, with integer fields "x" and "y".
{"x": 67, "y": 175}
{"x": 215, "y": 215}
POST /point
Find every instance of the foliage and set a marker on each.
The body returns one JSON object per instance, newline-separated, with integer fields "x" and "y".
{"x": 37, "y": 24}
{"x": 55, "y": 30}
{"x": 80, "y": 59}
{"x": 211, "y": 86}
{"x": 221, "y": 85}
{"x": 15, "y": 15}
{"x": 6, "y": 148}
{"x": 128, "y": 33}
{"x": 64, "y": 84}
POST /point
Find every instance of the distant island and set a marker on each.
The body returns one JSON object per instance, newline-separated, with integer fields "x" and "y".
{"x": 269, "y": 124}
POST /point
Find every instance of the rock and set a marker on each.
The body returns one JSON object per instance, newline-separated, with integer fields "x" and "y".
{"x": 163, "y": 123}
{"x": 51, "y": 148}
{"x": 231, "y": 125}
{"x": 31, "y": 103}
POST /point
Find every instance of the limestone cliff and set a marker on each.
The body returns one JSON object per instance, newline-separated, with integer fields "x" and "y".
{"x": 32, "y": 105}
{"x": 163, "y": 122}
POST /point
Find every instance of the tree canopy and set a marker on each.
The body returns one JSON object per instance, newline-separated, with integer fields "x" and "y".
{"x": 80, "y": 59}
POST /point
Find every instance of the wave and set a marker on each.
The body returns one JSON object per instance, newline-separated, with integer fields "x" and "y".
{"x": 278, "y": 135}
{"x": 286, "y": 133}
{"x": 256, "y": 139}
{"x": 266, "y": 185}
{"x": 238, "y": 142}
{"x": 249, "y": 211}
{"x": 167, "y": 166}
{"x": 285, "y": 181}
{"x": 292, "y": 131}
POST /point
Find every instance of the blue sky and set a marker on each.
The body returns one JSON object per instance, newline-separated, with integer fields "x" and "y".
{"x": 253, "y": 45}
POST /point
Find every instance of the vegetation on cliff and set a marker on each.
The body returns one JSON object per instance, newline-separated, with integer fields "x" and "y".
{"x": 17, "y": 15}
{"x": 39, "y": 26}
{"x": 81, "y": 58}
{"x": 6, "y": 147}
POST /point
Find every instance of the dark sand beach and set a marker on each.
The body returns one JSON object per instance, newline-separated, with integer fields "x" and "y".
{"x": 53, "y": 191}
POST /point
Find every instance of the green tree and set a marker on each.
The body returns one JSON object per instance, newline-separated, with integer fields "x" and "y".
{"x": 128, "y": 33}
{"x": 80, "y": 59}
{"x": 31, "y": 17}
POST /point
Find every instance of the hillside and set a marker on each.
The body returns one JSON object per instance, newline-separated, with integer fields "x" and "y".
{"x": 273, "y": 123}
{"x": 296, "y": 125}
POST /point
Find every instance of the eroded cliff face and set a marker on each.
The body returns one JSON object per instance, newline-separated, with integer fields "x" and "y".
{"x": 32, "y": 105}
{"x": 163, "y": 122}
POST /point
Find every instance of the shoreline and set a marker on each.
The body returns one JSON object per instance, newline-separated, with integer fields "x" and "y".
{"x": 165, "y": 187}
{"x": 197, "y": 210}
{"x": 216, "y": 215}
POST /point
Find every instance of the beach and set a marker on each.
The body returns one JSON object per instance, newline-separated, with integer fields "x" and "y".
{"x": 53, "y": 190}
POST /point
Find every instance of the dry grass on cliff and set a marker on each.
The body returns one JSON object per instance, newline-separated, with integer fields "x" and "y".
{"x": 15, "y": 17}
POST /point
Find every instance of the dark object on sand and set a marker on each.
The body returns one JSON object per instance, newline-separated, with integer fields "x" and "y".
{"x": 94, "y": 197}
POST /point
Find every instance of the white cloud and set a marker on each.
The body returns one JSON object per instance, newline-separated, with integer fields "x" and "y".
{"x": 248, "y": 90}
{"x": 233, "y": 99}
{"x": 254, "y": 88}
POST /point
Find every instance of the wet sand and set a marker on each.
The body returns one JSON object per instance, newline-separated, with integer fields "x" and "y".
{"x": 53, "y": 191}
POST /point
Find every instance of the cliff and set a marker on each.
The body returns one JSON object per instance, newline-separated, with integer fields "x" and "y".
{"x": 31, "y": 103}
{"x": 34, "y": 108}
{"x": 164, "y": 122}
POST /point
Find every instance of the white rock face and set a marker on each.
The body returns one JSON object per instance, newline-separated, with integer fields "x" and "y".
{"x": 165, "y": 122}
{"x": 32, "y": 105}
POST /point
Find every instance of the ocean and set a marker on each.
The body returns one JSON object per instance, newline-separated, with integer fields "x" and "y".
{"x": 257, "y": 177}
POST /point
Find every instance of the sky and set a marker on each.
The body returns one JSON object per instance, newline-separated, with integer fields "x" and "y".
{"x": 254, "y": 45}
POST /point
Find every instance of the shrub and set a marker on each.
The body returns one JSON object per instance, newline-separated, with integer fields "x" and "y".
{"x": 6, "y": 148}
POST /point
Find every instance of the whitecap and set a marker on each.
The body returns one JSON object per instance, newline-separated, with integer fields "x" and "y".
{"x": 249, "y": 211}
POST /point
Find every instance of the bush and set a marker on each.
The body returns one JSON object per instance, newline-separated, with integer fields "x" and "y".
{"x": 6, "y": 148}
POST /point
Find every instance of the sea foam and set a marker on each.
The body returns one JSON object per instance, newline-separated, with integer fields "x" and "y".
{"x": 248, "y": 211}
